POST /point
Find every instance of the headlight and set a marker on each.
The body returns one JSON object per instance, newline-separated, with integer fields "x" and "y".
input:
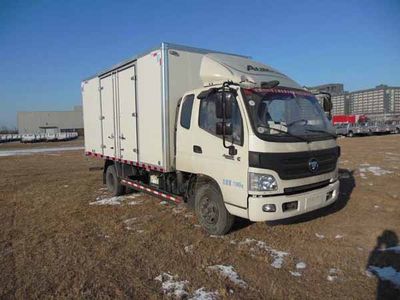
{"x": 262, "y": 182}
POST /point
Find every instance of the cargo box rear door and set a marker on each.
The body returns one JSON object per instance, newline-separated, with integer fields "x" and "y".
{"x": 126, "y": 115}
{"x": 91, "y": 116}
{"x": 107, "y": 103}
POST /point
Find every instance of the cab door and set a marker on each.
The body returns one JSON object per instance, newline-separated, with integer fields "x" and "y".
{"x": 204, "y": 153}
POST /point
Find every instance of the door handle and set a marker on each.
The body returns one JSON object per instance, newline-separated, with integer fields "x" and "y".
{"x": 197, "y": 149}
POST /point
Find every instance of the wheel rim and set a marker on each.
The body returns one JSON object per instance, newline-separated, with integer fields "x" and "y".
{"x": 209, "y": 211}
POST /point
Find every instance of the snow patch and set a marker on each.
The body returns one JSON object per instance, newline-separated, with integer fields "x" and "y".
{"x": 320, "y": 236}
{"x": 296, "y": 274}
{"x": 117, "y": 200}
{"x": 333, "y": 274}
{"x": 202, "y": 294}
{"x": 37, "y": 150}
{"x": 171, "y": 286}
{"x": 301, "y": 265}
{"x": 136, "y": 202}
{"x": 377, "y": 171}
{"x": 163, "y": 202}
{"x": 230, "y": 273}
{"x": 189, "y": 215}
{"x": 278, "y": 256}
{"x": 189, "y": 249}
{"x": 179, "y": 209}
{"x": 129, "y": 223}
{"x": 108, "y": 201}
{"x": 338, "y": 236}
{"x": 216, "y": 236}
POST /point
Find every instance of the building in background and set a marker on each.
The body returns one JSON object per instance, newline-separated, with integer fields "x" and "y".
{"x": 51, "y": 121}
{"x": 331, "y": 88}
{"x": 381, "y": 102}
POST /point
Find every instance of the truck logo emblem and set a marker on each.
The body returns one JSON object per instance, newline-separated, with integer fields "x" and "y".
{"x": 257, "y": 69}
{"x": 313, "y": 165}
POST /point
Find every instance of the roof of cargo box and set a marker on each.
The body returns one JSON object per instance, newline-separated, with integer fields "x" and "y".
{"x": 167, "y": 46}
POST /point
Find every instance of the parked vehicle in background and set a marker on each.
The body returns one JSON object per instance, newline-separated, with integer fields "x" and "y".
{"x": 351, "y": 130}
{"x": 3, "y": 139}
{"x": 342, "y": 129}
{"x": 396, "y": 125}
{"x": 228, "y": 135}
{"x": 51, "y": 137}
{"x": 348, "y": 119}
{"x": 28, "y": 138}
{"x": 16, "y": 137}
{"x": 61, "y": 136}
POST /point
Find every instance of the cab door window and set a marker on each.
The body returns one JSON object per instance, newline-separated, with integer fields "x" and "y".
{"x": 208, "y": 119}
{"x": 186, "y": 112}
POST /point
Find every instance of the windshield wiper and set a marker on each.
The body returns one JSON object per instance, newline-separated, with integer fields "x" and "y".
{"x": 322, "y": 131}
{"x": 291, "y": 134}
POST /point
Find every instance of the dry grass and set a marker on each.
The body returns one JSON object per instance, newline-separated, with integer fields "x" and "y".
{"x": 53, "y": 244}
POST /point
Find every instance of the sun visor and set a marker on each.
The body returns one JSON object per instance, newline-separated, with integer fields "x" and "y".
{"x": 217, "y": 68}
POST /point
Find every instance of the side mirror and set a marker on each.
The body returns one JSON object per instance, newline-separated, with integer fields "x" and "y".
{"x": 228, "y": 98}
{"x": 221, "y": 129}
{"x": 327, "y": 103}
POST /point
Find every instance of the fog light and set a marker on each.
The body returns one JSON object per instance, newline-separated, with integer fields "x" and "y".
{"x": 289, "y": 205}
{"x": 269, "y": 208}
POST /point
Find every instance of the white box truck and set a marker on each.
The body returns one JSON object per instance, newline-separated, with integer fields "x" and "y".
{"x": 228, "y": 135}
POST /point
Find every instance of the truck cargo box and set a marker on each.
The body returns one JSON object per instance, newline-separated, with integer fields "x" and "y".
{"x": 129, "y": 109}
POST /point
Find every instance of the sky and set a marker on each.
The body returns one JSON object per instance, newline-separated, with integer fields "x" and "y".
{"x": 48, "y": 47}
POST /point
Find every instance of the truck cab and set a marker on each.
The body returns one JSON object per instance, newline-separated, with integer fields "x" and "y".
{"x": 272, "y": 156}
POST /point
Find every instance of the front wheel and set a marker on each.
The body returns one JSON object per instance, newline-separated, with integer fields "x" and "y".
{"x": 211, "y": 211}
{"x": 113, "y": 183}
{"x": 350, "y": 134}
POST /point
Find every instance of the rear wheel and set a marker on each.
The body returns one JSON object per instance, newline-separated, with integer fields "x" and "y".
{"x": 113, "y": 183}
{"x": 211, "y": 211}
{"x": 350, "y": 134}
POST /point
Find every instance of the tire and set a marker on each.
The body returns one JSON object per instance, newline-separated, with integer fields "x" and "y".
{"x": 112, "y": 181}
{"x": 350, "y": 134}
{"x": 211, "y": 211}
{"x": 397, "y": 130}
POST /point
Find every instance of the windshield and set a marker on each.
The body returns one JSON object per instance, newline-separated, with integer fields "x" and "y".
{"x": 287, "y": 112}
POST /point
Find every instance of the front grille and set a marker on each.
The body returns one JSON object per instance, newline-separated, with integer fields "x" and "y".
{"x": 305, "y": 188}
{"x": 295, "y": 165}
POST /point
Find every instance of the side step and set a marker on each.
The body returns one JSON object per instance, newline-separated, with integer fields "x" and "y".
{"x": 136, "y": 185}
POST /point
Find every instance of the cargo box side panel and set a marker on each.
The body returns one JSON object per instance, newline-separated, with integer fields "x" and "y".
{"x": 92, "y": 115}
{"x": 184, "y": 75}
{"x": 149, "y": 109}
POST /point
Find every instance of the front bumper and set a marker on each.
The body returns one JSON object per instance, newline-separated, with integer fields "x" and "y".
{"x": 306, "y": 202}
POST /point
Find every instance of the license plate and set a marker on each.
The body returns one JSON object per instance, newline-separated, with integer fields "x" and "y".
{"x": 314, "y": 201}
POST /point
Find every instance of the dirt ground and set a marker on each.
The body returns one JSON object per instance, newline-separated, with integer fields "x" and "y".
{"x": 58, "y": 241}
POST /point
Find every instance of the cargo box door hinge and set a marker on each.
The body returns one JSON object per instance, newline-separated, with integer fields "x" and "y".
{"x": 101, "y": 118}
{"x": 103, "y": 146}
{"x": 135, "y": 150}
{"x": 134, "y": 114}
{"x": 100, "y": 88}
{"x": 134, "y": 77}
